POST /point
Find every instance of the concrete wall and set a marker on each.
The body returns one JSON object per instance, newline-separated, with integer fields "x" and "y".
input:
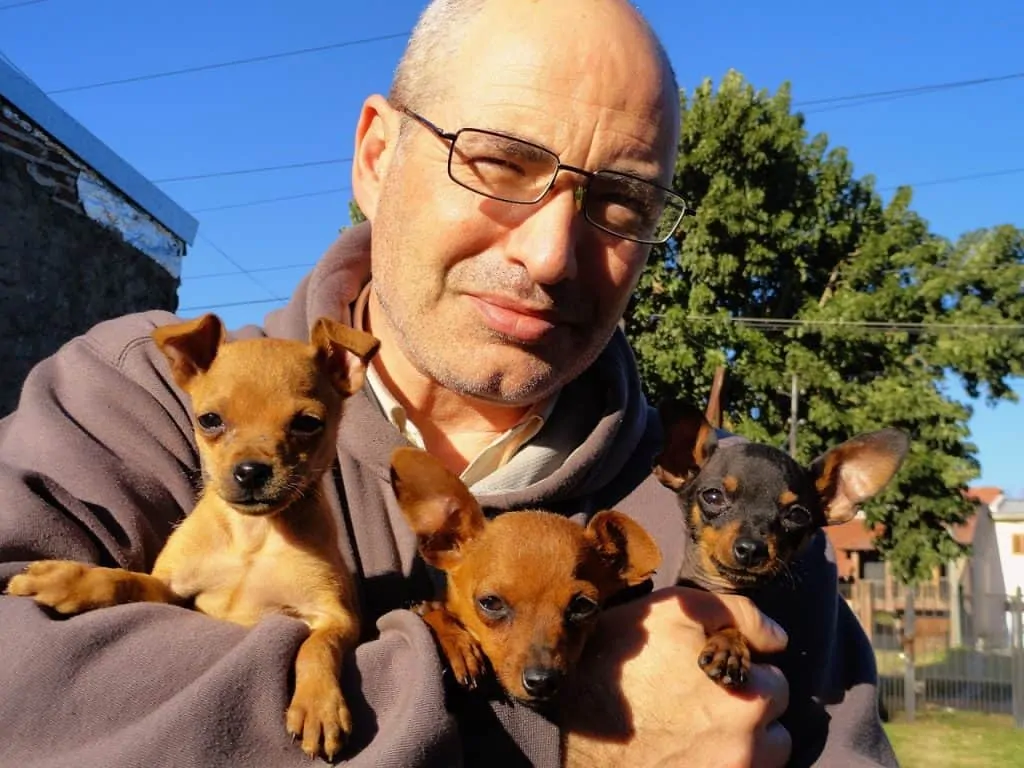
{"x": 61, "y": 271}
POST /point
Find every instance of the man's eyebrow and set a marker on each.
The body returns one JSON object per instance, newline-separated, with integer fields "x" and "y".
{"x": 637, "y": 163}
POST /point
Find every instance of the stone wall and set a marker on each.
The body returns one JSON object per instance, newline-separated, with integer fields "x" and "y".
{"x": 61, "y": 271}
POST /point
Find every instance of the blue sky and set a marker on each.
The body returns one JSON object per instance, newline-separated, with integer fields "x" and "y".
{"x": 303, "y": 109}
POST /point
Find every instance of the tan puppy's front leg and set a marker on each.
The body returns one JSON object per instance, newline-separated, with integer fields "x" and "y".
{"x": 460, "y": 649}
{"x": 71, "y": 587}
{"x": 318, "y": 712}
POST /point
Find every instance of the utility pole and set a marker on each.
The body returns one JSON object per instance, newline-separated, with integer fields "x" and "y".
{"x": 794, "y": 410}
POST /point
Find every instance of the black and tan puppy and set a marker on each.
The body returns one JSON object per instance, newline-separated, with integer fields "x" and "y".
{"x": 751, "y": 508}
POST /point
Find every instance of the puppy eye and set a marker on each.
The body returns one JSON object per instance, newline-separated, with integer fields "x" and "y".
{"x": 796, "y": 517}
{"x": 304, "y": 424}
{"x": 580, "y": 607}
{"x": 713, "y": 497}
{"x": 210, "y": 422}
{"x": 492, "y": 607}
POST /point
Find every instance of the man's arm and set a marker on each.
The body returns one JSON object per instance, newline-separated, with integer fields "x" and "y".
{"x": 830, "y": 665}
{"x": 97, "y": 464}
{"x": 856, "y": 736}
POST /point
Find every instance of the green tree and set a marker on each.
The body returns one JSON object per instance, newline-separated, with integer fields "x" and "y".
{"x": 792, "y": 266}
{"x": 355, "y": 213}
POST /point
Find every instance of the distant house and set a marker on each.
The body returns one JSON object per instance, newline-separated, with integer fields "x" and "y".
{"x": 964, "y": 599}
{"x": 1008, "y": 521}
{"x": 83, "y": 236}
{"x": 997, "y": 568}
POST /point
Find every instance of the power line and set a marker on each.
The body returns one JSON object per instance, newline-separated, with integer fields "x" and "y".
{"x": 842, "y": 102}
{"x": 258, "y": 169}
{"x": 206, "y": 307}
{"x": 865, "y": 326}
{"x": 859, "y": 99}
{"x": 957, "y": 179}
{"x": 231, "y": 63}
{"x": 886, "y": 326}
{"x": 18, "y": 69}
{"x": 928, "y": 88}
{"x": 14, "y": 66}
{"x": 770, "y": 323}
{"x": 279, "y": 268}
{"x": 339, "y": 190}
{"x": 235, "y": 264}
{"x": 20, "y": 5}
{"x": 333, "y": 191}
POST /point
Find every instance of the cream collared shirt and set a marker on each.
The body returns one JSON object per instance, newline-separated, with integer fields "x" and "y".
{"x": 494, "y": 456}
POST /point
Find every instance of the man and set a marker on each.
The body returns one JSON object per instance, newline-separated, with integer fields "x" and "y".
{"x": 498, "y": 278}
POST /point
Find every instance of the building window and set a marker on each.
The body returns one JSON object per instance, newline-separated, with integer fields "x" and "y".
{"x": 1018, "y": 544}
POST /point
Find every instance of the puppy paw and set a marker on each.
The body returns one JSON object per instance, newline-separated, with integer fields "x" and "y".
{"x": 66, "y": 586}
{"x": 319, "y": 717}
{"x": 726, "y": 658}
{"x": 465, "y": 657}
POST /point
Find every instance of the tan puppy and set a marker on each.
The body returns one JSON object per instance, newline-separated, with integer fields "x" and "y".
{"x": 259, "y": 540}
{"x": 523, "y": 590}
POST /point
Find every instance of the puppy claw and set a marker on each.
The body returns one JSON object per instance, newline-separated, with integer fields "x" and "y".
{"x": 726, "y": 658}
{"x": 465, "y": 658}
{"x": 321, "y": 720}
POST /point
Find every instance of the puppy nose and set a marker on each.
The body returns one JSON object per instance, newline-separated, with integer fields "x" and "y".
{"x": 251, "y": 475}
{"x": 541, "y": 681}
{"x": 749, "y": 552}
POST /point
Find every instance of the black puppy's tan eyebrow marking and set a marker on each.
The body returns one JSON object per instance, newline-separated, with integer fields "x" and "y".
{"x": 730, "y": 483}
{"x": 787, "y": 497}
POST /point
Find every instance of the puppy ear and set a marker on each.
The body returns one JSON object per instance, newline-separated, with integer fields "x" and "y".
{"x": 624, "y": 547}
{"x": 345, "y": 352}
{"x": 689, "y": 442}
{"x": 853, "y": 472}
{"x": 441, "y": 511}
{"x": 190, "y": 347}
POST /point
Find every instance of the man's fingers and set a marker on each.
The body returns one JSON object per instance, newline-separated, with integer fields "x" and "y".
{"x": 767, "y": 683}
{"x": 715, "y": 612}
{"x": 761, "y": 631}
{"x": 773, "y": 747}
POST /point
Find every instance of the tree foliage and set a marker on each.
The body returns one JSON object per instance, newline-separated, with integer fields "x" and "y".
{"x": 355, "y": 213}
{"x": 785, "y": 232}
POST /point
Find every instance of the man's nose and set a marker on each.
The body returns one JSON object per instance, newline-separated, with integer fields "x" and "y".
{"x": 545, "y": 241}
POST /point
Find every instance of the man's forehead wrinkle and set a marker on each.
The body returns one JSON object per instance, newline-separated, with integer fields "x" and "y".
{"x": 637, "y": 137}
{"x": 652, "y": 115}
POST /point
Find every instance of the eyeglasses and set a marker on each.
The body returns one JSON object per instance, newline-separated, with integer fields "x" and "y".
{"x": 515, "y": 171}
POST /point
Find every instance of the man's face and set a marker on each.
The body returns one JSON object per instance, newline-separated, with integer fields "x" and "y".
{"x": 508, "y": 302}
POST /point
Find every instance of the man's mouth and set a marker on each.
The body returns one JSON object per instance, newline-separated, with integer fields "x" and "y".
{"x": 516, "y": 320}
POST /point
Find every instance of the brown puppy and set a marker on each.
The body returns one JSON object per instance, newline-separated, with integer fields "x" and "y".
{"x": 523, "y": 589}
{"x": 751, "y": 508}
{"x": 259, "y": 541}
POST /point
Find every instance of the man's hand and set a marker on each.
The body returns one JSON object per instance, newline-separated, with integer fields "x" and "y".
{"x": 639, "y": 697}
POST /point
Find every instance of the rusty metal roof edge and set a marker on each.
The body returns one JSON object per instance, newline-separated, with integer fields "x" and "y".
{"x": 42, "y": 110}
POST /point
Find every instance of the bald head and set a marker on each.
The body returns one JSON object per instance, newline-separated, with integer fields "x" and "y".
{"x": 427, "y": 68}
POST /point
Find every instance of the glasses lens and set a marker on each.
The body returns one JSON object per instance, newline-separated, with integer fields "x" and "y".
{"x": 500, "y": 166}
{"x": 633, "y": 208}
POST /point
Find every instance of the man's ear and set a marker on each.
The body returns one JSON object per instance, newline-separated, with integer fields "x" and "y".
{"x": 853, "y": 472}
{"x": 689, "y": 442}
{"x": 624, "y": 547}
{"x": 345, "y": 352}
{"x": 375, "y": 141}
{"x": 190, "y": 347}
{"x": 438, "y": 506}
